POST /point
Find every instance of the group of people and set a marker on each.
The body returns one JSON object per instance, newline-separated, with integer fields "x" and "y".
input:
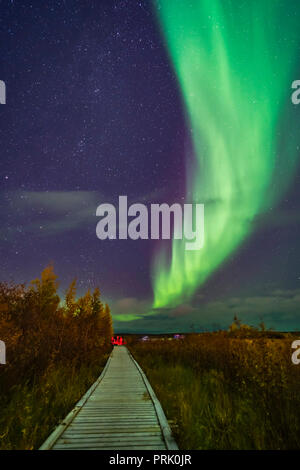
{"x": 117, "y": 341}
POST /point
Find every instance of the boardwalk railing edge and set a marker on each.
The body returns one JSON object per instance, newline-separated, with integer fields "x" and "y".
{"x": 54, "y": 436}
{"x": 165, "y": 427}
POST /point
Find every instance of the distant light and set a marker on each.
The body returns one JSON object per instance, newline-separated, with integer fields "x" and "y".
{"x": 145, "y": 338}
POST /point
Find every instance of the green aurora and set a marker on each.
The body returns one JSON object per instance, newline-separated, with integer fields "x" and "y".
{"x": 235, "y": 62}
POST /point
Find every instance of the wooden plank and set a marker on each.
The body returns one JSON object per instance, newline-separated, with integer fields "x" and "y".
{"x": 92, "y": 433}
{"x": 91, "y": 447}
{"x": 116, "y": 430}
{"x": 116, "y": 419}
{"x": 117, "y": 435}
{"x": 154, "y": 439}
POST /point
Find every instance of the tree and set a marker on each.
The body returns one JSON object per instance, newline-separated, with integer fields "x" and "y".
{"x": 97, "y": 305}
{"x": 44, "y": 292}
{"x": 107, "y": 324}
{"x": 70, "y": 299}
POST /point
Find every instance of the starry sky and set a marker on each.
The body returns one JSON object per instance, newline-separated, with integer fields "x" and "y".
{"x": 95, "y": 110}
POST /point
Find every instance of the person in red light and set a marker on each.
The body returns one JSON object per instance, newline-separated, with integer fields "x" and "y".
{"x": 117, "y": 341}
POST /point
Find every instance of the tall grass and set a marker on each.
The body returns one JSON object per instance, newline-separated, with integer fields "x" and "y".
{"x": 221, "y": 392}
{"x": 34, "y": 410}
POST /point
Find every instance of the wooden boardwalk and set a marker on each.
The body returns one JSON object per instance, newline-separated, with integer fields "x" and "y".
{"x": 120, "y": 411}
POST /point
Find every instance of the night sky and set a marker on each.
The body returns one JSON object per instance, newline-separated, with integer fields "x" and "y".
{"x": 95, "y": 110}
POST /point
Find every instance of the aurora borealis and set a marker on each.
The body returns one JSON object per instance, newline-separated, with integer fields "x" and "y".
{"x": 234, "y": 71}
{"x": 169, "y": 101}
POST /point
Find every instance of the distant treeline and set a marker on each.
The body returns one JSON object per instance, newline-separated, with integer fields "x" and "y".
{"x": 55, "y": 348}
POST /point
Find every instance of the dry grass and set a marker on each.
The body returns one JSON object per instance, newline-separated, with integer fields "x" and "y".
{"x": 34, "y": 410}
{"x": 224, "y": 392}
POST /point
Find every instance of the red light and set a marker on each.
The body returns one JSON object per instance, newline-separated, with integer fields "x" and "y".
{"x": 117, "y": 341}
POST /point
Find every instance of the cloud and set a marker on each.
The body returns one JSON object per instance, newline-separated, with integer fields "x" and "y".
{"x": 277, "y": 218}
{"x": 182, "y": 310}
{"x": 49, "y": 212}
{"x": 130, "y": 305}
{"x": 278, "y": 308}
{"x": 55, "y": 202}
